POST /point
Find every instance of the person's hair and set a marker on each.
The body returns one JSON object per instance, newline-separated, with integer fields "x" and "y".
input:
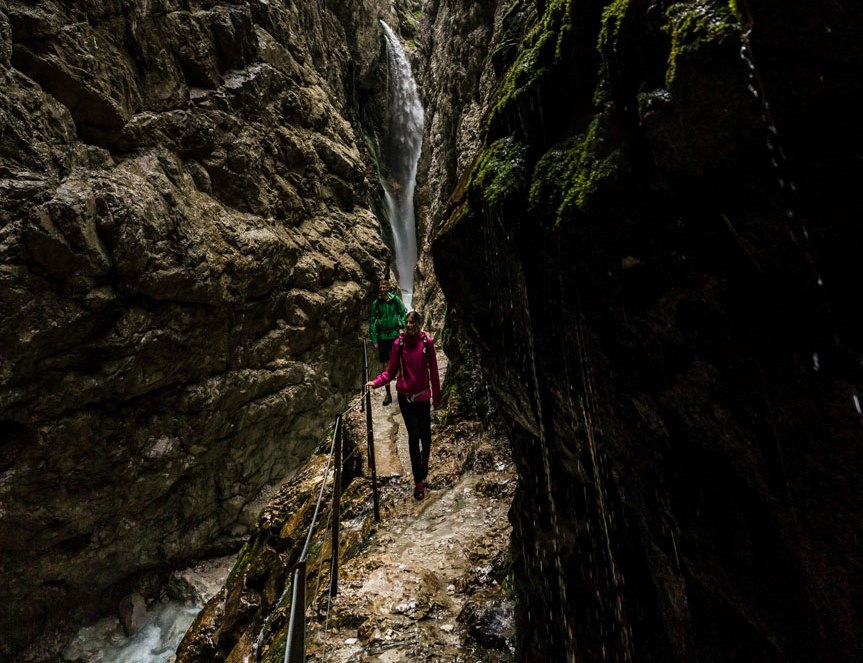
{"x": 415, "y": 316}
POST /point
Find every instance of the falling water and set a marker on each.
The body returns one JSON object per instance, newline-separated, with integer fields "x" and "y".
{"x": 403, "y": 142}
{"x": 798, "y": 231}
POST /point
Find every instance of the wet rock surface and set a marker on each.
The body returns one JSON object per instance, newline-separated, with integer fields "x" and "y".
{"x": 424, "y": 566}
{"x": 186, "y": 254}
{"x": 651, "y": 256}
{"x": 429, "y": 582}
{"x": 160, "y": 623}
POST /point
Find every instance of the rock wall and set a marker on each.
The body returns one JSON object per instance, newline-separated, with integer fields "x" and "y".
{"x": 461, "y": 51}
{"x": 646, "y": 232}
{"x": 654, "y": 257}
{"x": 186, "y": 259}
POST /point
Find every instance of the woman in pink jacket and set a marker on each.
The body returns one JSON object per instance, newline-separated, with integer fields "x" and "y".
{"x": 413, "y": 361}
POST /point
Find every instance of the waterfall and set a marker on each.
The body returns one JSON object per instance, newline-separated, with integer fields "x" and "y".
{"x": 401, "y": 153}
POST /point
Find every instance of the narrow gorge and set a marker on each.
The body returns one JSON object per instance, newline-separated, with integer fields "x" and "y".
{"x": 637, "y": 239}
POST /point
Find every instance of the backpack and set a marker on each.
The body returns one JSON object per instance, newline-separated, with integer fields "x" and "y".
{"x": 425, "y": 345}
{"x": 425, "y": 351}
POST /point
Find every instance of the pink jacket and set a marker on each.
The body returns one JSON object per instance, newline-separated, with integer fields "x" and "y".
{"x": 415, "y": 364}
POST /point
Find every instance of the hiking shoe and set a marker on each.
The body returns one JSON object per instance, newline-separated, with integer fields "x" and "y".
{"x": 388, "y": 399}
{"x": 419, "y": 491}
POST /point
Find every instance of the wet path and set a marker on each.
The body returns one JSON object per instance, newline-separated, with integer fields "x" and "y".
{"x": 390, "y": 435}
{"x": 391, "y": 438}
{"x": 401, "y": 597}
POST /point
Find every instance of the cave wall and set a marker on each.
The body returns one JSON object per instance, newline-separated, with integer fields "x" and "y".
{"x": 654, "y": 256}
{"x": 186, "y": 258}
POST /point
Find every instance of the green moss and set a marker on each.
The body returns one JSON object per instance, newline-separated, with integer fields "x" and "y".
{"x": 609, "y": 32}
{"x": 612, "y": 19}
{"x": 247, "y": 554}
{"x": 734, "y": 6}
{"x": 409, "y": 24}
{"x": 568, "y": 177}
{"x": 692, "y": 26}
{"x": 460, "y": 214}
{"x": 501, "y": 171}
{"x": 372, "y": 150}
{"x": 544, "y": 47}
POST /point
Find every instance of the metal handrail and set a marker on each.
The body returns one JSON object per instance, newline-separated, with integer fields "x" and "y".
{"x": 295, "y": 647}
{"x": 337, "y": 495}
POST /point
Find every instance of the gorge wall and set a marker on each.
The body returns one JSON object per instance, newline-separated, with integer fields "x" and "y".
{"x": 186, "y": 258}
{"x": 643, "y": 217}
{"x": 653, "y": 255}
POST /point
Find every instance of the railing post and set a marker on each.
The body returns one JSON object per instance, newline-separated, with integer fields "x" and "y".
{"x": 371, "y": 444}
{"x": 295, "y": 648}
{"x": 337, "y": 493}
{"x": 365, "y": 373}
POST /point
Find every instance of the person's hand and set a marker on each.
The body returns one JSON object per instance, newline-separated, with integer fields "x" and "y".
{"x": 376, "y": 345}
{"x": 370, "y": 384}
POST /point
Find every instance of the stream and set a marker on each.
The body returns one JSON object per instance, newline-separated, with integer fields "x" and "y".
{"x": 163, "y": 626}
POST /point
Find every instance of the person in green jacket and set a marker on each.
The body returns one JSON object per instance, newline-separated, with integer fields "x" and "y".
{"x": 385, "y": 323}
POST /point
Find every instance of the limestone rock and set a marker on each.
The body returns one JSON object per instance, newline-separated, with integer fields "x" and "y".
{"x": 131, "y": 611}
{"x": 398, "y": 579}
{"x": 186, "y": 259}
{"x": 685, "y": 425}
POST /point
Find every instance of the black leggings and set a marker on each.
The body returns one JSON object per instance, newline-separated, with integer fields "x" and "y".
{"x": 417, "y": 418}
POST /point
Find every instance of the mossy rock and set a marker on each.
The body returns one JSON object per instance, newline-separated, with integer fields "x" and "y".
{"x": 570, "y": 176}
{"x": 409, "y": 23}
{"x": 543, "y": 48}
{"x": 501, "y": 171}
{"x": 694, "y": 26}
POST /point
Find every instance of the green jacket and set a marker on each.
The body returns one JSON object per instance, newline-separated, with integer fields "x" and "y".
{"x": 387, "y": 318}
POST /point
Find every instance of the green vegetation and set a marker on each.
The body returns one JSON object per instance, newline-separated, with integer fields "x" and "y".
{"x": 609, "y": 32}
{"x": 735, "y": 9}
{"x": 372, "y": 149}
{"x": 275, "y": 653}
{"x": 568, "y": 176}
{"x": 409, "y": 23}
{"x": 501, "y": 171}
{"x": 247, "y": 554}
{"x": 693, "y": 26}
{"x": 543, "y": 48}
{"x": 612, "y": 19}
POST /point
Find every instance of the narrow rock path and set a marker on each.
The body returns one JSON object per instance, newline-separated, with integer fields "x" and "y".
{"x": 390, "y": 436}
{"x": 428, "y": 584}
